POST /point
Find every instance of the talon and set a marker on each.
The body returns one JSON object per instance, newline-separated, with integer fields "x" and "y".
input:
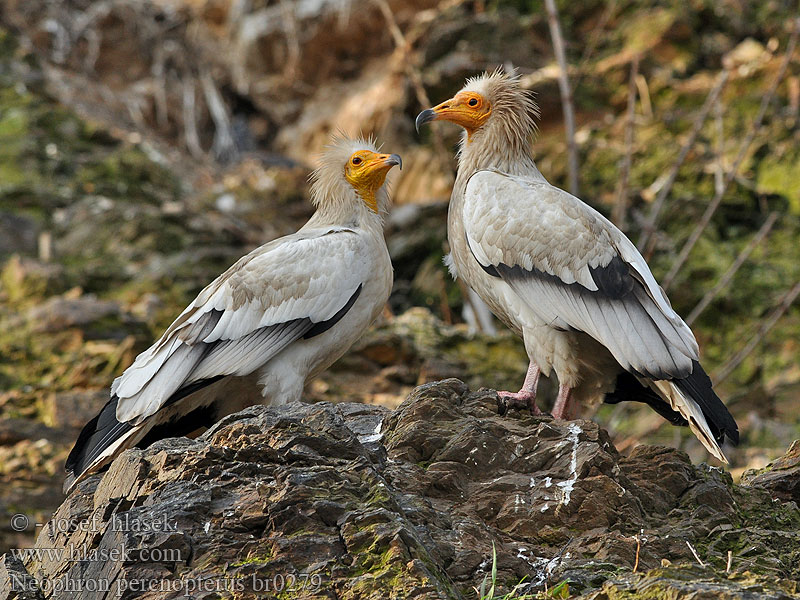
{"x": 502, "y": 409}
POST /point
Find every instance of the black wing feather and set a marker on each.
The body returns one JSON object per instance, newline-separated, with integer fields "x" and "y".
{"x": 697, "y": 386}
{"x": 628, "y": 389}
{"x": 104, "y": 429}
{"x": 97, "y": 435}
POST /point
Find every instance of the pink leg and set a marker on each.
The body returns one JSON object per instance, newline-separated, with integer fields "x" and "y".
{"x": 526, "y": 397}
{"x": 561, "y": 407}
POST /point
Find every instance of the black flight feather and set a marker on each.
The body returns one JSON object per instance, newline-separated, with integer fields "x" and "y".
{"x": 628, "y": 389}
{"x": 697, "y": 386}
{"x": 104, "y": 429}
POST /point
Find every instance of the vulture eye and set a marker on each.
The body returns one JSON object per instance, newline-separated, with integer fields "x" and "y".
{"x": 356, "y": 160}
{"x": 473, "y": 102}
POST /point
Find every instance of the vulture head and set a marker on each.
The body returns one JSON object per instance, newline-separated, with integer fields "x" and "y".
{"x": 492, "y": 108}
{"x": 352, "y": 172}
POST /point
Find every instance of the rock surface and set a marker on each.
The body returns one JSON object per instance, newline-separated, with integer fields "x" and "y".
{"x": 145, "y": 146}
{"x": 356, "y": 501}
{"x": 781, "y": 477}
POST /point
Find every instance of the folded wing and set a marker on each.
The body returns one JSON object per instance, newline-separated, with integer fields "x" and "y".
{"x": 576, "y": 271}
{"x": 264, "y": 302}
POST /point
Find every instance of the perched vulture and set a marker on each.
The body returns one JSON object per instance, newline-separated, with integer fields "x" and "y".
{"x": 562, "y": 276}
{"x": 276, "y": 318}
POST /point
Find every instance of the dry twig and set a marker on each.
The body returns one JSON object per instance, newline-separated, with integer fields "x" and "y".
{"x": 224, "y": 147}
{"x": 621, "y": 206}
{"x": 702, "y": 564}
{"x": 719, "y": 171}
{"x": 754, "y": 129}
{"x": 292, "y": 39}
{"x": 566, "y": 94}
{"x": 728, "y": 275}
{"x": 649, "y": 226}
{"x": 158, "y": 70}
{"x": 723, "y": 372}
{"x": 638, "y": 548}
{"x": 597, "y": 33}
{"x": 404, "y": 46}
{"x": 190, "y": 119}
{"x": 644, "y": 96}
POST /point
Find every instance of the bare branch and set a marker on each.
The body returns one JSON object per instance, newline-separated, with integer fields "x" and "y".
{"x": 391, "y": 22}
{"x": 158, "y": 69}
{"x": 644, "y": 96}
{"x": 190, "y": 119}
{"x": 566, "y": 94}
{"x": 292, "y": 39}
{"x": 723, "y": 372}
{"x": 728, "y": 275}
{"x": 92, "y": 50}
{"x": 719, "y": 171}
{"x": 754, "y": 129}
{"x": 597, "y": 33}
{"x": 618, "y": 215}
{"x": 224, "y": 147}
{"x": 404, "y": 46}
{"x": 650, "y": 225}
{"x": 45, "y": 246}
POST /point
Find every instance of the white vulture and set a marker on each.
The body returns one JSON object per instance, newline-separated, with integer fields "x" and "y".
{"x": 276, "y": 318}
{"x": 562, "y": 276}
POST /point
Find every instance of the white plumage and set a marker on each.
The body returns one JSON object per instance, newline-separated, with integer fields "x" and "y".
{"x": 276, "y": 318}
{"x": 564, "y": 277}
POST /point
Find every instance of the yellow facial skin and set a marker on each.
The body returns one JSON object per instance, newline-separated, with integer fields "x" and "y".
{"x": 470, "y": 110}
{"x": 366, "y": 171}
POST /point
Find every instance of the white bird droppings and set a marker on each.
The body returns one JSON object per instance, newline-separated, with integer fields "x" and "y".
{"x": 568, "y": 485}
{"x": 375, "y": 436}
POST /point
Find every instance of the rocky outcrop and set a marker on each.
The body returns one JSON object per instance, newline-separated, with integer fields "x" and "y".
{"x": 356, "y": 501}
{"x": 781, "y": 477}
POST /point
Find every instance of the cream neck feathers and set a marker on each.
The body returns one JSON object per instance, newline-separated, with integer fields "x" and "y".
{"x": 336, "y": 201}
{"x": 504, "y": 141}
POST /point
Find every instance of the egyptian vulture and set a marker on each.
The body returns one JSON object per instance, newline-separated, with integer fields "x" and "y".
{"x": 276, "y": 318}
{"x": 562, "y": 276}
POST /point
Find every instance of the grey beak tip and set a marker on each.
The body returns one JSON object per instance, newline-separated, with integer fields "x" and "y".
{"x": 397, "y": 160}
{"x": 426, "y": 116}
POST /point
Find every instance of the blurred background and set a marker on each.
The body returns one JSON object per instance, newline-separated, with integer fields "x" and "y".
{"x": 147, "y": 144}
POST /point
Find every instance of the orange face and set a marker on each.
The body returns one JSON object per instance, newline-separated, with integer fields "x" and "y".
{"x": 366, "y": 171}
{"x": 470, "y": 110}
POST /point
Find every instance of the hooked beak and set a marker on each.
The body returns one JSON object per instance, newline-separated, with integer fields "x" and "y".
{"x": 394, "y": 159}
{"x": 458, "y": 111}
{"x": 426, "y": 116}
{"x": 382, "y": 163}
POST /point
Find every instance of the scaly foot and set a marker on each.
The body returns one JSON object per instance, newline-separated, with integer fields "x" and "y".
{"x": 521, "y": 399}
{"x": 563, "y": 409}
